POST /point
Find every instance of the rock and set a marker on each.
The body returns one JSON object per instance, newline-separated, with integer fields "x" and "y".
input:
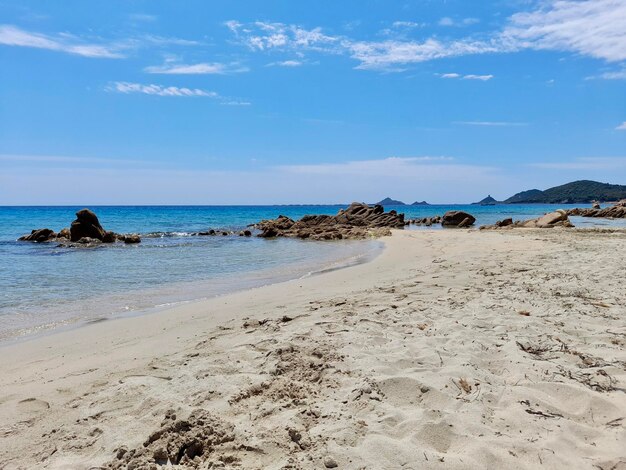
{"x": 245, "y": 233}
{"x": 64, "y": 233}
{"x": 109, "y": 237}
{"x": 131, "y": 238}
{"x": 456, "y": 218}
{"x": 88, "y": 241}
{"x": 557, "y": 218}
{"x": 551, "y": 219}
{"x": 329, "y": 462}
{"x": 204, "y": 234}
{"x": 466, "y": 222}
{"x": 86, "y": 225}
{"x": 596, "y": 205}
{"x": 355, "y": 222}
{"x": 616, "y": 211}
{"x": 39, "y": 235}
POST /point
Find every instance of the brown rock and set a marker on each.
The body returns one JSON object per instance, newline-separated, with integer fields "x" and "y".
{"x": 131, "y": 238}
{"x": 357, "y": 221}
{"x": 456, "y": 218}
{"x": 39, "y": 235}
{"x": 86, "y": 225}
{"x": 64, "y": 233}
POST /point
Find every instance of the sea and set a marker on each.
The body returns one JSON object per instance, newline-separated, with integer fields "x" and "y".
{"x": 44, "y": 286}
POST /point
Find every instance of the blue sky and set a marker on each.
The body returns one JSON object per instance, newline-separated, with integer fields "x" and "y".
{"x": 230, "y": 102}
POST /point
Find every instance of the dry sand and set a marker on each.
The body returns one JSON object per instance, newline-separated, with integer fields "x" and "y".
{"x": 452, "y": 350}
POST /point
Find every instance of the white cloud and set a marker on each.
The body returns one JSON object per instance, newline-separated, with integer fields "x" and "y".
{"x": 14, "y": 36}
{"x": 447, "y": 21}
{"x": 491, "y": 123}
{"x": 158, "y": 90}
{"x": 204, "y": 68}
{"x": 593, "y": 28}
{"x": 483, "y": 78}
{"x": 621, "y": 127}
{"x": 286, "y": 63}
{"x": 407, "y": 24}
{"x": 612, "y": 75}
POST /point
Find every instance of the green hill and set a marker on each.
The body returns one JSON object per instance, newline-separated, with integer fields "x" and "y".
{"x": 583, "y": 191}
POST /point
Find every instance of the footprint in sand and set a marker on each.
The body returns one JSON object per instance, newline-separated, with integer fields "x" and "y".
{"x": 33, "y": 404}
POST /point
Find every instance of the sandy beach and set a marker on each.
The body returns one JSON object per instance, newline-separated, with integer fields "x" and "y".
{"x": 453, "y": 349}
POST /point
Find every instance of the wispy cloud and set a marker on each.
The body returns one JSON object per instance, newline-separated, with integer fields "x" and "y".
{"x": 621, "y": 127}
{"x": 491, "y": 123}
{"x": 56, "y": 159}
{"x": 610, "y": 75}
{"x": 447, "y": 21}
{"x": 143, "y": 17}
{"x": 593, "y": 28}
{"x": 14, "y": 36}
{"x": 286, "y": 63}
{"x": 158, "y": 90}
{"x": 407, "y": 24}
{"x": 392, "y": 166}
{"x": 483, "y": 78}
{"x": 203, "y": 68}
{"x": 128, "y": 88}
{"x": 585, "y": 163}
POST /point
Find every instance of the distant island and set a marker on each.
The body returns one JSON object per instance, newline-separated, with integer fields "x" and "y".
{"x": 488, "y": 201}
{"x": 394, "y": 202}
{"x": 583, "y": 191}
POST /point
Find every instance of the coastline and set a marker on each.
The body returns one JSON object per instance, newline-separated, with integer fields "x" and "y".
{"x": 111, "y": 306}
{"x": 420, "y": 345}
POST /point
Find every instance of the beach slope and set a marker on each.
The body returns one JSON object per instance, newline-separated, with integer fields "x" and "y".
{"x": 453, "y": 349}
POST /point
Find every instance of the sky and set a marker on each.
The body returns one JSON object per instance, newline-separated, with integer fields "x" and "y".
{"x": 278, "y": 102}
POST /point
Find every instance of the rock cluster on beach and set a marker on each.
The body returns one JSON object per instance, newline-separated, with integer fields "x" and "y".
{"x": 459, "y": 219}
{"x": 356, "y": 222}
{"x": 617, "y": 211}
{"x": 557, "y": 218}
{"x": 85, "y": 230}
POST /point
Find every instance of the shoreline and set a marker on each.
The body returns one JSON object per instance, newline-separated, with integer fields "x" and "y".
{"x": 194, "y": 291}
{"x": 405, "y": 360}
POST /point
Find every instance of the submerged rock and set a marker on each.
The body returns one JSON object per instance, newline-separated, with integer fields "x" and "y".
{"x": 357, "y": 221}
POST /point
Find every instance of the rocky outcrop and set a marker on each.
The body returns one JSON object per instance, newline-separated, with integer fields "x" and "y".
{"x": 39, "y": 235}
{"x": 85, "y": 230}
{"x": 86, "y": 225}
{"x": 557, "y": 218}
{"x": 357, "y": 221}
{"x": 427, "y": 221}
{"x": 457, "y": 219}
{"x": 616, "y": 211}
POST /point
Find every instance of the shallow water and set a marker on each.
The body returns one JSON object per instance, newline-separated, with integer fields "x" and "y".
{"x": 43, "y": 286}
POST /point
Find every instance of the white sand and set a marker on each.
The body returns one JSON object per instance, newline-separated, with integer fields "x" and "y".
{"x": 452, "y": 350}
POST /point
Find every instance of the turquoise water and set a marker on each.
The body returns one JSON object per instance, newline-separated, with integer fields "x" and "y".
{"x": 43, "y": 286}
